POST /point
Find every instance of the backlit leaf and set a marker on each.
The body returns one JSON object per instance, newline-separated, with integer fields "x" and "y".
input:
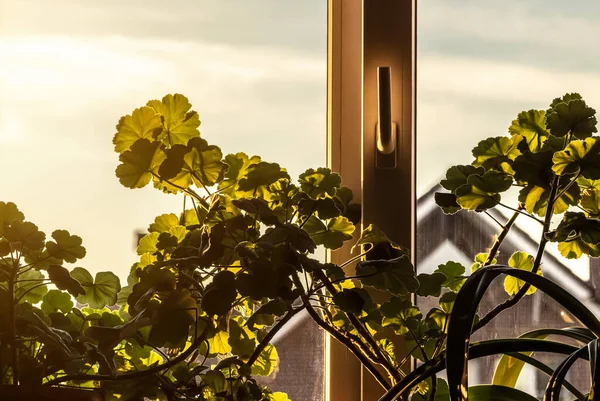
{"x": 320, "y": 183}
{"x": 179, "y": 124}
{"x": 99, "y": 292}
{"x": 523, "y": 261}
{"x": 454, "y": 272}
{"x": 62, "y": 279}
{"x": 482, "y": 192}
{"x": 457, "y": 176}
{"x": 447, "y": 202}
{"x": 25, "y": 234}
{"x": 571, "y": 115}
{"x": 532, "y": 126}
{"x": 239, "y": 164}
{"x": 55, "y": 301}
{"x": 139, "y": 163}
{"x": 398, "y": 313}
{"x": 396, "y": 275}
{"x": 28, "y": 288}
{"x": 331, "y": 236}
{"x": 581, "y": 157}
{"x": 198, "y": 163}
{"x": 142, "y": 123}
{"x": 497, "y": 153}
{"x": 9, "y": 213}
{"x": 65, "y": 246}
{"x": 430, "y": 284}
{"x": 266, "y": 361}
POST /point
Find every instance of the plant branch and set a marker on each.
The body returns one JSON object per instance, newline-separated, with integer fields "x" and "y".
{"x": 519, "y": 210}
{"x": 536, "y": 263}
{"x": 338, "y": 336}
{"x": 363, "y": 331}
{"x": 498, "y": 242}
{"x": 266, "y": 339}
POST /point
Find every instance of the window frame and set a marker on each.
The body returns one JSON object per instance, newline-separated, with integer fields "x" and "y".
{"x": 363, "y": 35}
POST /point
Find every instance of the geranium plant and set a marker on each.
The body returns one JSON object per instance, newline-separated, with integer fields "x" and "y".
{"x": 217, "y": 279}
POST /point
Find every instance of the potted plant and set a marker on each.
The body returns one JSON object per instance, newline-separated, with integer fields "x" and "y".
{"x": 219, "y": 278}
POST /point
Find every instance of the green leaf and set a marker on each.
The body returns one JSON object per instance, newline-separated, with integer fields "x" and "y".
{"x": 142, "y": 123}
{"x": 490, "y": 392}
{"x": 139, "y": 163}
{"x": 454, "y": 272}
{"x": 241, "y": 339}
{"x": 239, "y": 165}
{"x": 99, "y": 292}
{"x": 220, "y": 294}
{"x": 331, "y": 236}
{"x": 535, "y": 198}
{"x": 480, "y": 260}
{"x": 266, "y": 361}
{"x": 67, "y": 247}
{"x": 258, "y": 207}
{"x": 441, "y": 393}
{"x": 278, "y": 396}
{"x": 9, "y": 213}
{"x": 352, "y": 300}
{"x": 28, "y": 288}
{"x": 320, "y": 183}
{"x": 590, "y": 196}
{"x": 581, "y": 157}
{"x": 532, "y": 126}
{"x": 179, "y": 124}
{"x": 55, "y": 301}
{"x": 447, "y": 202}
{"x": 523, "y": 261}
{"x": 198, "y": 163}
{"x": 62, "y": 279}
{"x": 219, "y": 343}
{"x": 372, "y": 235}
{"x": 260, "y": 175}
{"x": 482, "y": 192}
{"x": 457, "y": 176}
{"x": 264, "y": 314}
{"x": 164, "y": 223}
{"x": 447, "y": 301}
{"x": 577, "y": 235}
{"x": 398, "y": 313}
{"x": 497, "y": 153}
{"x": 174, "y": 317}
{"x": 571, "y": 115}
{"x": 430, "y": 284}
{"x": 148, "y": 244}
{"x": 26, "y": 234}
{"x": 395, "y": 275}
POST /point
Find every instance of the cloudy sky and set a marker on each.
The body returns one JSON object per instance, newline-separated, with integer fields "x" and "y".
{"x": 255, "y": 70}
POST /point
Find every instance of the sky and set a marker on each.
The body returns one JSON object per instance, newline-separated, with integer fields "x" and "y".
{"x": 255, "y": 70}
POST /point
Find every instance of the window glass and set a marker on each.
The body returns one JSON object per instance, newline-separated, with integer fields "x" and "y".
{"x": 254, "y": 70}
{"x": 480, "y": 63}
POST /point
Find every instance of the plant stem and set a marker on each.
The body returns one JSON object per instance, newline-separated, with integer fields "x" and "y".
{"x": 536, "y": 263}
{"x": 265, "y": 341}
{"x": 13, "y": 333}
{"x": 338, "y": 336}
{"x": 363, "y": 331}
{"x": 498, "y": 242}
{"x": 519, "y": 210}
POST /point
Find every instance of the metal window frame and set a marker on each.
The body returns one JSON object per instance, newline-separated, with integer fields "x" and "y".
{"x": 362, "y": 35}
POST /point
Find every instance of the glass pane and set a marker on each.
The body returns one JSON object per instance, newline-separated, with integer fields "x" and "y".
{"x": 254, "y": 70}
{"x": 480, "y": 63}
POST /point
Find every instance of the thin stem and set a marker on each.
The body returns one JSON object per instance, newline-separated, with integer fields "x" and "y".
{"x": 266, "y": 339}
{"x": 493, "y": 218}
{"x": 498, "y": 242}
{"x": 33, "y": 287}
{"x": 566, "y": 188}
{"x": 362, "y": 358}
{"x": 518, "y": 211}
{"x": 363, "y": 331}
{"x": 536, "y": 263}
{"x": 354, "y": 258}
